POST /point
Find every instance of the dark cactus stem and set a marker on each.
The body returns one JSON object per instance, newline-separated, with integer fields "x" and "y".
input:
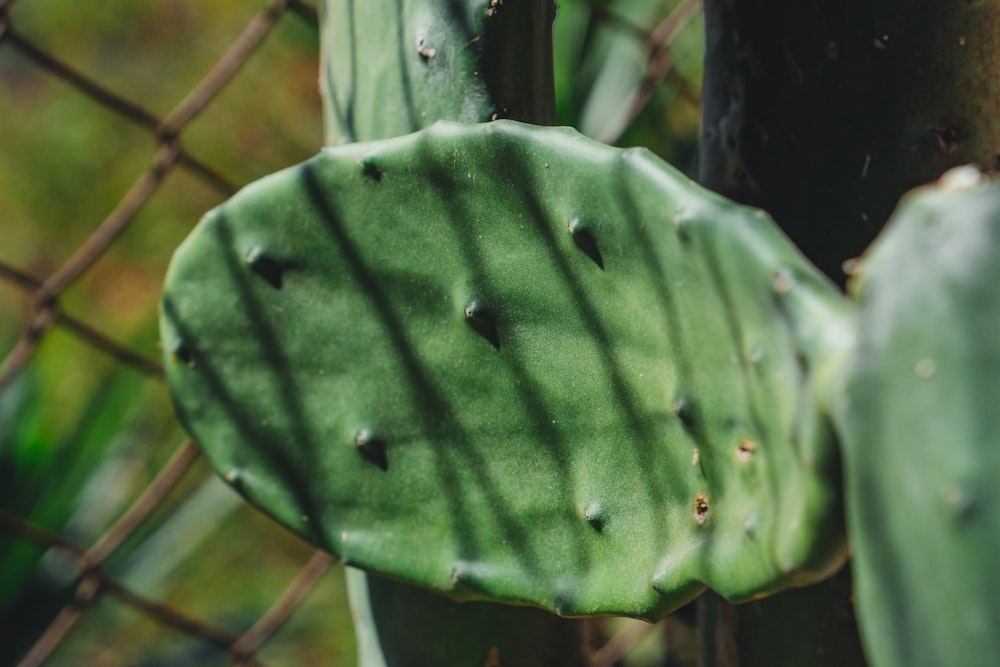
{"x": 823, "y": 112}
{"x": 391, "y": 67}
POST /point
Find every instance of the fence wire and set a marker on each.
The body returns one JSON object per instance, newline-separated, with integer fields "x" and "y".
{"x": 43, "y": 314}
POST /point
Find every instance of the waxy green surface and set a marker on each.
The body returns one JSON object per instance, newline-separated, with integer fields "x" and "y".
{"x": 510, "y": 363}
{"x": 921, "y": 429}
{"x": 391, "y": 67}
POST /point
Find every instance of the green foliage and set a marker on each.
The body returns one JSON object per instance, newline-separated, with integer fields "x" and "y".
{"x": 48, "y": 463}
{"x": 502, "y": 360}
{"x": 920, "y": 424}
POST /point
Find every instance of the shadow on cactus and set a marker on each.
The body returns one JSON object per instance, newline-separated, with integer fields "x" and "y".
{"x": 509, "y": 363}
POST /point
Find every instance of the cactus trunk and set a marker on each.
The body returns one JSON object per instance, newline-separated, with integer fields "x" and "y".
{"x": 823, "y": 112}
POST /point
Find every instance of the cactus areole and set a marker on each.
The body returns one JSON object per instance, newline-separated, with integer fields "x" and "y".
{"x": 507, "y": 362}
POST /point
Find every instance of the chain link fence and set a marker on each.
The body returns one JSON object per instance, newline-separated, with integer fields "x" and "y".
{"x": 83, "y": 265}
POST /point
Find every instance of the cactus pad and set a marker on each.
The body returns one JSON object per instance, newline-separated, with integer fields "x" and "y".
{"x": 510, "y": 363}
{"x": 921, "y": 425}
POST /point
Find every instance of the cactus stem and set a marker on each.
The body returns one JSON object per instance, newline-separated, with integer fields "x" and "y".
{"x": 482, "y": 323}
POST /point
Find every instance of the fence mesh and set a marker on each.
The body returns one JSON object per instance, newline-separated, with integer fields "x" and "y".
{"x": 108, "y": 561}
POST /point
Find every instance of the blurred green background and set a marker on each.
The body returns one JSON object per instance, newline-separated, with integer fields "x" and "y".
{"x": 81, "y": 434}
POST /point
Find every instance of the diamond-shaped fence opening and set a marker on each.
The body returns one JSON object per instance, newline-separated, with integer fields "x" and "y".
{"x": 122, "y": 122}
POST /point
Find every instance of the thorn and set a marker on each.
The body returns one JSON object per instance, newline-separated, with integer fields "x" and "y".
{"x": 683, "y": 408}
{"x": 266, "y": 267}
{"x": 482, "y": 323}
{"x": 594, "y": 514}
{"x": 372, "y": 449}
{"x": 585, "y": 241}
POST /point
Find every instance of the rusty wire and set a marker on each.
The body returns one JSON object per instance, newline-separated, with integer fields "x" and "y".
{"x": 658, "y": 62}
{"x": 84, "y": 331}
{"x": 44, "y": 313}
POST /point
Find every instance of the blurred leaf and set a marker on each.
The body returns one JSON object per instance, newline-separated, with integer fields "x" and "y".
{"x": 601, "y": 59}
{"x": 45, "y": 463}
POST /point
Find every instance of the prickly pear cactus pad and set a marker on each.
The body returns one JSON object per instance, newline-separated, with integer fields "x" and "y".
{"x": 922, "y": 430}
{"x": 508, "y": 362}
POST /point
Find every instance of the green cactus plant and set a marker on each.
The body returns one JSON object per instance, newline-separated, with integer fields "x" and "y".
{"x": 460, "y": 417}
{"x": 510, "y": 364}
{"x": 920, "y": 428}
{"x": 469, "y": 61}
{"x": 454, "y": 61}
